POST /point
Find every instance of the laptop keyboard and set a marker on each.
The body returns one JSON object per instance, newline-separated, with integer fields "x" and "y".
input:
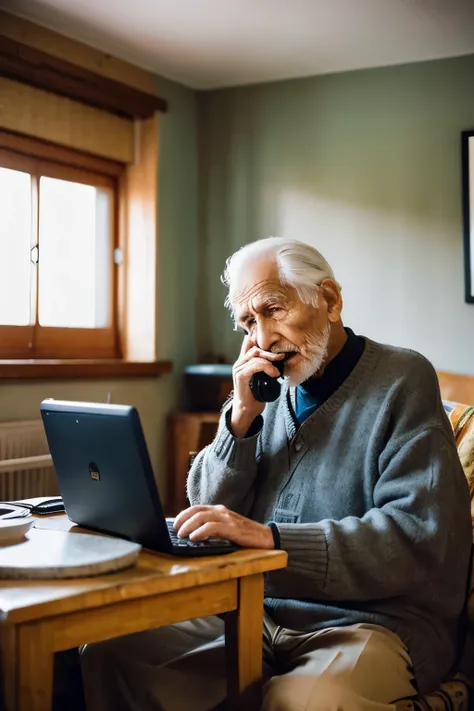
{"x": 212, "y": 542}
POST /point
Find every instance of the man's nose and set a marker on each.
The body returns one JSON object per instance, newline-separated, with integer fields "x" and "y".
{"x": 266, "y": 336}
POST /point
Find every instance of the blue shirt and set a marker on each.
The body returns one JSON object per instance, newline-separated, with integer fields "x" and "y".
{"x": 314, "y": 392}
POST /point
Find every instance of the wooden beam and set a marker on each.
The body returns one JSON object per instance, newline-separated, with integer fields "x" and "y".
{"x": 80, "y": 54}
{"x": 31, "y": 66}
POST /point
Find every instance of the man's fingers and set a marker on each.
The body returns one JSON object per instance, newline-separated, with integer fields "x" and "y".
{"x": 256, "y": 352}
{"x": 199, "y": 518}
{"x": 247, "y": 344}
{"x": 218, "y": 521}
{"x": 256, "y": 365}
{"x": 214, "y": 528}
{"x": 248, "y": 355}
{"x": 249, "y": 350}
{"x": 186, "y": 514}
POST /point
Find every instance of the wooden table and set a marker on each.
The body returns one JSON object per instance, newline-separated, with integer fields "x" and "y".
{"x": 42, "y": 617}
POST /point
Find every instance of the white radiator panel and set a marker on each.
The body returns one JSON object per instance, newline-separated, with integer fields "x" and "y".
{"x": 25, "y": 463}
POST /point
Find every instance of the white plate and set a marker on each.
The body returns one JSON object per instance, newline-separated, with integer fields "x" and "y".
{"x": 14, "y": 529}
{"x": 62, "y": 554}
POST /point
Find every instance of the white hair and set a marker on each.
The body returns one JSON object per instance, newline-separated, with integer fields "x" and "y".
{"x": 299, "y": 266}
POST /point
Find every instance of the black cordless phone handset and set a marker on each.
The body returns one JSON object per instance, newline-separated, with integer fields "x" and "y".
{"x": 263, "y": 387}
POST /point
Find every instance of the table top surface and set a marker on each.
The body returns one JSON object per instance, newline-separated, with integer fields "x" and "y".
{"x": 154, "y": 574}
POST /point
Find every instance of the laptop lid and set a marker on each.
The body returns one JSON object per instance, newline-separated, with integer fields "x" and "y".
{"x": 104, "y": 471}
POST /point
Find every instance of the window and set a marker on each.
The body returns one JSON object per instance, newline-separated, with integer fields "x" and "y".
{"x": 58, "y": 240}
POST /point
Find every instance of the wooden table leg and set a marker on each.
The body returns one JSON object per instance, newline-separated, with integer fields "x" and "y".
{"x": 8, "y": 662}
{"x": 244, "y": 642}
{"x": 35, "y": 667}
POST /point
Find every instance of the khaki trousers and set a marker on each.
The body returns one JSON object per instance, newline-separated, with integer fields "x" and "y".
{"x": 181, "y": 667}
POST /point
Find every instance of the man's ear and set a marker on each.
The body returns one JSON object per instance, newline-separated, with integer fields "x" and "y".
{"x": 331, "y": 293}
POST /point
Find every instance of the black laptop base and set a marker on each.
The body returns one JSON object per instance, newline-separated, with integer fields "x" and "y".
{"x": 186, "y": 547}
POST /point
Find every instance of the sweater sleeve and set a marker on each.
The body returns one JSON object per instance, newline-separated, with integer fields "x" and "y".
{"x": 225, "y": 471}
{"x": 420, "y": 516}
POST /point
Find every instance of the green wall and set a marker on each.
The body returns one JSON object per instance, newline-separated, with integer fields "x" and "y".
{"x": 176, "y": 338}
{"x": 364, "y": 165}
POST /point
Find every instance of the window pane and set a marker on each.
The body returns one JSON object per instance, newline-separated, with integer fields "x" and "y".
{"x": 15, "y": 231}
{"x": 74, "y": 261}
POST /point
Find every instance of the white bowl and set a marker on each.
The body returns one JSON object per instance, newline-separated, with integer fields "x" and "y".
{"x": 12, "y": 530}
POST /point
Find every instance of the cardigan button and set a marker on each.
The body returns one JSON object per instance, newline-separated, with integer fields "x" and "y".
{"x": 298, "y": 446}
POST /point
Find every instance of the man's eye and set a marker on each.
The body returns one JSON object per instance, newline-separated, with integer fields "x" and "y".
{"x": 274, "y": 309}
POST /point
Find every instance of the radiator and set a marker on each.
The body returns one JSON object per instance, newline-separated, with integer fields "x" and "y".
{"x": 26, "y": 469}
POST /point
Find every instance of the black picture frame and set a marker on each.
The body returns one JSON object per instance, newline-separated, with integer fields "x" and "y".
{"x": 467, "y": 161}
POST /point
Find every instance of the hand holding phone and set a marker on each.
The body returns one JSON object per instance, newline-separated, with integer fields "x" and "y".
{"x": 265, "y": 389}
{"x": 245, "y": 406}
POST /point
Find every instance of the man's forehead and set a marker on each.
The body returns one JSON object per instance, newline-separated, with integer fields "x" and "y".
{"x": 254, "y": 281}
{"x": 252, "y": 296}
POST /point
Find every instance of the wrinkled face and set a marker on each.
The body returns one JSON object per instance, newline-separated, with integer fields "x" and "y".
{"x": 278, "y": 321}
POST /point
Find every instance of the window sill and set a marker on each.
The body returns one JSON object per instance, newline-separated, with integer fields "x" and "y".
{"x": 75, "y": 369}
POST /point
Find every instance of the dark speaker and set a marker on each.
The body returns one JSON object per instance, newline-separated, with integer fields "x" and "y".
{"x": 207, "y": 386}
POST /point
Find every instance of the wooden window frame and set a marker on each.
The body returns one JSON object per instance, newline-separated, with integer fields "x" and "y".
{"x": 137, "y": 237}
{"x": 42, "y": 159}
{"x": 136, "y": 173}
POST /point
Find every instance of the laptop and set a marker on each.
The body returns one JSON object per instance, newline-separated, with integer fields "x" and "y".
{"x": 106, "y": 479}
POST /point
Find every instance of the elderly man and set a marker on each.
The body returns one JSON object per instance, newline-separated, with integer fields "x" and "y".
{"x": 354, "y": 472}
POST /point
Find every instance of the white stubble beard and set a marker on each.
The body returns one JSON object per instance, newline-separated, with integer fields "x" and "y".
{"x": 318, "y": 346}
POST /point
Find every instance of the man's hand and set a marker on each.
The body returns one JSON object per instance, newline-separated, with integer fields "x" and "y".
{"x": 201, "y": 522}
{"x": 244, "y": 406}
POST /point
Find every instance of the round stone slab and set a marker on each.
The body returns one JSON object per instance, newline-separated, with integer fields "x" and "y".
{"x": 44, "y": 554}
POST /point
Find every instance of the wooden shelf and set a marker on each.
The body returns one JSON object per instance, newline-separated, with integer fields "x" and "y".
{"x": 73, "y": 369}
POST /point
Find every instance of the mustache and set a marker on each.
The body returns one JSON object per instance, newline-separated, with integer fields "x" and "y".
{"x": 284, "y": 348}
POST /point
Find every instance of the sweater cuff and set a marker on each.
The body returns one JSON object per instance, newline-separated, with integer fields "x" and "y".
{"x": 254, "y": 428}
{"x": 276, "y": 534}
{"x": 307, "y": 549}
{"x": 237, "y": 453}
